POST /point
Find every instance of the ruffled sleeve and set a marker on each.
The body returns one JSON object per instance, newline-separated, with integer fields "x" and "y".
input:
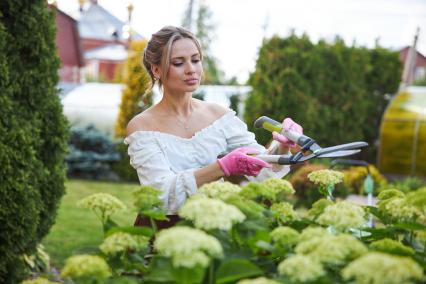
{"x": 153, "y": 168}
{"x": 237, "y": 135}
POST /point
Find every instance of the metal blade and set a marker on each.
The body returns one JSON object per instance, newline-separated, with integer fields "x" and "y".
{"x": 348, "y": 146}
{"x": 341, "y": 153}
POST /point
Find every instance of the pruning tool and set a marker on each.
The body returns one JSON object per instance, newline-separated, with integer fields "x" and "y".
{"x": 309, "y": 147}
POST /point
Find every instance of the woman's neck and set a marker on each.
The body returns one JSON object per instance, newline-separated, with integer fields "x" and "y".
{"x": 178, "y": 105}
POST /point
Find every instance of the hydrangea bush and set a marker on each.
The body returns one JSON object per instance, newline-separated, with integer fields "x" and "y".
{"x": 253, "y": 234}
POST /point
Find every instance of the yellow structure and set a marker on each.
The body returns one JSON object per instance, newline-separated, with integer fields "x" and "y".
{"x": 403, "y": 134}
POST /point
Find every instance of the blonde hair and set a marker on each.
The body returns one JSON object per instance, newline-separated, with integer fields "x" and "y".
{"x": 159, "y": 47}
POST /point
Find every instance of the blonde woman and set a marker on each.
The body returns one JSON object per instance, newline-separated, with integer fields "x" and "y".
{"x": 174, "y": 145}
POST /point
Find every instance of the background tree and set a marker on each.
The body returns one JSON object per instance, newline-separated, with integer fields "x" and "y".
{"x": 137, "y": 82}
{"x": 204, "y": 31}
{"x": 33, "y": 132}
{"x": 134, "y": 99}
{"x": 336, "y": 92}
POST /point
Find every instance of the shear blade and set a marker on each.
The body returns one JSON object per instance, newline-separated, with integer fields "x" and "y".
{"x": 341, "y": 153}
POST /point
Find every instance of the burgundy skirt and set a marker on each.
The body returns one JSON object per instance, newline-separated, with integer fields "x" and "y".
{"x": 145, "y": 222}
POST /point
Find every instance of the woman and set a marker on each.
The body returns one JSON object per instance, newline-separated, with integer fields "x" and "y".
{"x": 174, "y": 145}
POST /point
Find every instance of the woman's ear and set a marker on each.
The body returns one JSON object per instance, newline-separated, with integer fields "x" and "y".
{"x": 156, "y": 71}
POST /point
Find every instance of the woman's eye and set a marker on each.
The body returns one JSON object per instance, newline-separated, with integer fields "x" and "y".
{"x": 177, "y": 63}
{"x": 195, "y": 60}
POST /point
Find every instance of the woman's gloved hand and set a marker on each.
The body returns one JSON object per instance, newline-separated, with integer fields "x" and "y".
{"x": 239, "y": 163}
{"x": 288, "y": 124}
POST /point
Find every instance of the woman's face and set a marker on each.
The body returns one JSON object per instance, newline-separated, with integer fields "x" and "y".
{"x": 185, "y": 69}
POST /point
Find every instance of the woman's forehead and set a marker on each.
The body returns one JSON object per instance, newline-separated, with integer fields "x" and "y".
{"x": 184, "y": 47}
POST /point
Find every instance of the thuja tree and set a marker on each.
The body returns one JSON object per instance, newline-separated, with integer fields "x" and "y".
{"x": 136, "y": 82}
{"x": 336, "y": 92}
{"x": 33, "y": 132}
{"x": 134, "y": 99}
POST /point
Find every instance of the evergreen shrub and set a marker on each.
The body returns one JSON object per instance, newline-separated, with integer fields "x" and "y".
{"x": 33, "y": 132}
{"x": 336, "y": 92}
{"x": 92, "y": 154}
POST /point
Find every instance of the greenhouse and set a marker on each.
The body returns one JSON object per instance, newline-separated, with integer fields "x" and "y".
{"x": 403, "y": 134}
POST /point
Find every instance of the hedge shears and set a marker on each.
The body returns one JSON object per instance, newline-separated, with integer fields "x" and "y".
{"x": 309, "y": 148}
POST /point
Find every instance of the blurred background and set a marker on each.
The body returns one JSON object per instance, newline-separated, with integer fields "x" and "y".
{"x": 334, "y": 66}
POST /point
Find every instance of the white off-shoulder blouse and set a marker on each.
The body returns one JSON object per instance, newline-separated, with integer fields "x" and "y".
{"x": 167, "y": 162}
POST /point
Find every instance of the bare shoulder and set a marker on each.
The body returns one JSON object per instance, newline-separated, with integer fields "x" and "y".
{"x": 140, "y": 122}
{"x": 216, "y": 110}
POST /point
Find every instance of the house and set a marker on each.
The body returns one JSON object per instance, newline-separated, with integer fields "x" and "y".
{"x": 104, "y": 39}
{"x": 420, "y": 63}
{"x": 69, "y": 48}
{"x": 92, "y": 44}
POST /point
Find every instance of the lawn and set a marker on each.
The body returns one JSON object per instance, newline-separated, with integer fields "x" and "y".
{"x": 76, "y": 227}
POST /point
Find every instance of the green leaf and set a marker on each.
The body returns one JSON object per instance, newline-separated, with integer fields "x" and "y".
{"x": 188, "y": 275}
{"x": 160, "y": 270}
{"x": 410, "y": 226}
{"x": 234, "y": 269}
{"x": 155, "y": 213}
{"x": 140, "y": 231}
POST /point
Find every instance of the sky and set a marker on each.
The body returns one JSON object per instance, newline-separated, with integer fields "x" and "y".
{"x": 241, "y": 25}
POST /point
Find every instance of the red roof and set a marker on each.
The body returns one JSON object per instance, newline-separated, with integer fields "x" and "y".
{"x": 420, "y": 58}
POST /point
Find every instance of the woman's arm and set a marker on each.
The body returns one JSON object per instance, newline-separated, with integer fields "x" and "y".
{"x": 208, "y": 174}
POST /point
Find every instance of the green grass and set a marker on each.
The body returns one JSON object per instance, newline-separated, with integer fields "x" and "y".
{"x": 75, "y": 227}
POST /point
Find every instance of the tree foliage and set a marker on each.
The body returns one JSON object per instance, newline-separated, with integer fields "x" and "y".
{"x": 137, "y": 81}
{"x": 204, "y": 31}
{"x": 336, "y": 92}
{"x": 33, "y": 132}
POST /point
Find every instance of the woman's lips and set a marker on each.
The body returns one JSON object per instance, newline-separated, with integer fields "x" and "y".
{"x": 192, "y": 81}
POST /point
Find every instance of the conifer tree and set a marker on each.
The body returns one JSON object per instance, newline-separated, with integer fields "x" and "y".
{"x": 33, "y": 132}
{"x": 137, "y": 81}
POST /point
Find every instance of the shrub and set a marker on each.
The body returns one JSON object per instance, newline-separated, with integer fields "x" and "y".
{"x": 33, "y": 132}
{"x": 91, "y": 154}
{"x": 137, "y": 82}
{"x": 336, "y": 92}
{"x": 226, "y": 245}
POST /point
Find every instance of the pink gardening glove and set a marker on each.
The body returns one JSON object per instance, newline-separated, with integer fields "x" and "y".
{"x": 288, "y": 124}
{"x": 239, "y": 163}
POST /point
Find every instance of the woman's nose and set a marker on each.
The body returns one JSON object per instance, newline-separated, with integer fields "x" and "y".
{"x": 189, "y": 69}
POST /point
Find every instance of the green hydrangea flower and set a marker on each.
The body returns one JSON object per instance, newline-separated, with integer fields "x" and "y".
{"x": 284, "y": 212}
{"x": 187, "y": 247}
{"x": 260, "y": 280}
{"x": 318, "y": 208}
{"x": 254, "y": 190}
{"x": 390, "y": 193}
{"x": 418, "y": 199}
{"x": 300, "y": 268}
{"x": 249, "y": 207}
{"x": 391, "y": 247}
{"x": 331, "y": 249}
{"x": 343, "y": 216}
{"x": 208, "y": 213}
{"x": 38, "y": 281}
{"x": 219, "y": 190}
{"x": 398, "y": 209}
{"x": 122, "y": 242}
{"x": 86, "y": 266}
{"x": 313, "y": 232}
{"x": 326, "y": 177}
{"x": 103, "y": 204}
{"x": 271, "y": 189}
{"x": 285, "y": 236}
{"x": 381, "y": 268}
{"x": 279, "y": 188}
{"x": 147, "y": 197}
